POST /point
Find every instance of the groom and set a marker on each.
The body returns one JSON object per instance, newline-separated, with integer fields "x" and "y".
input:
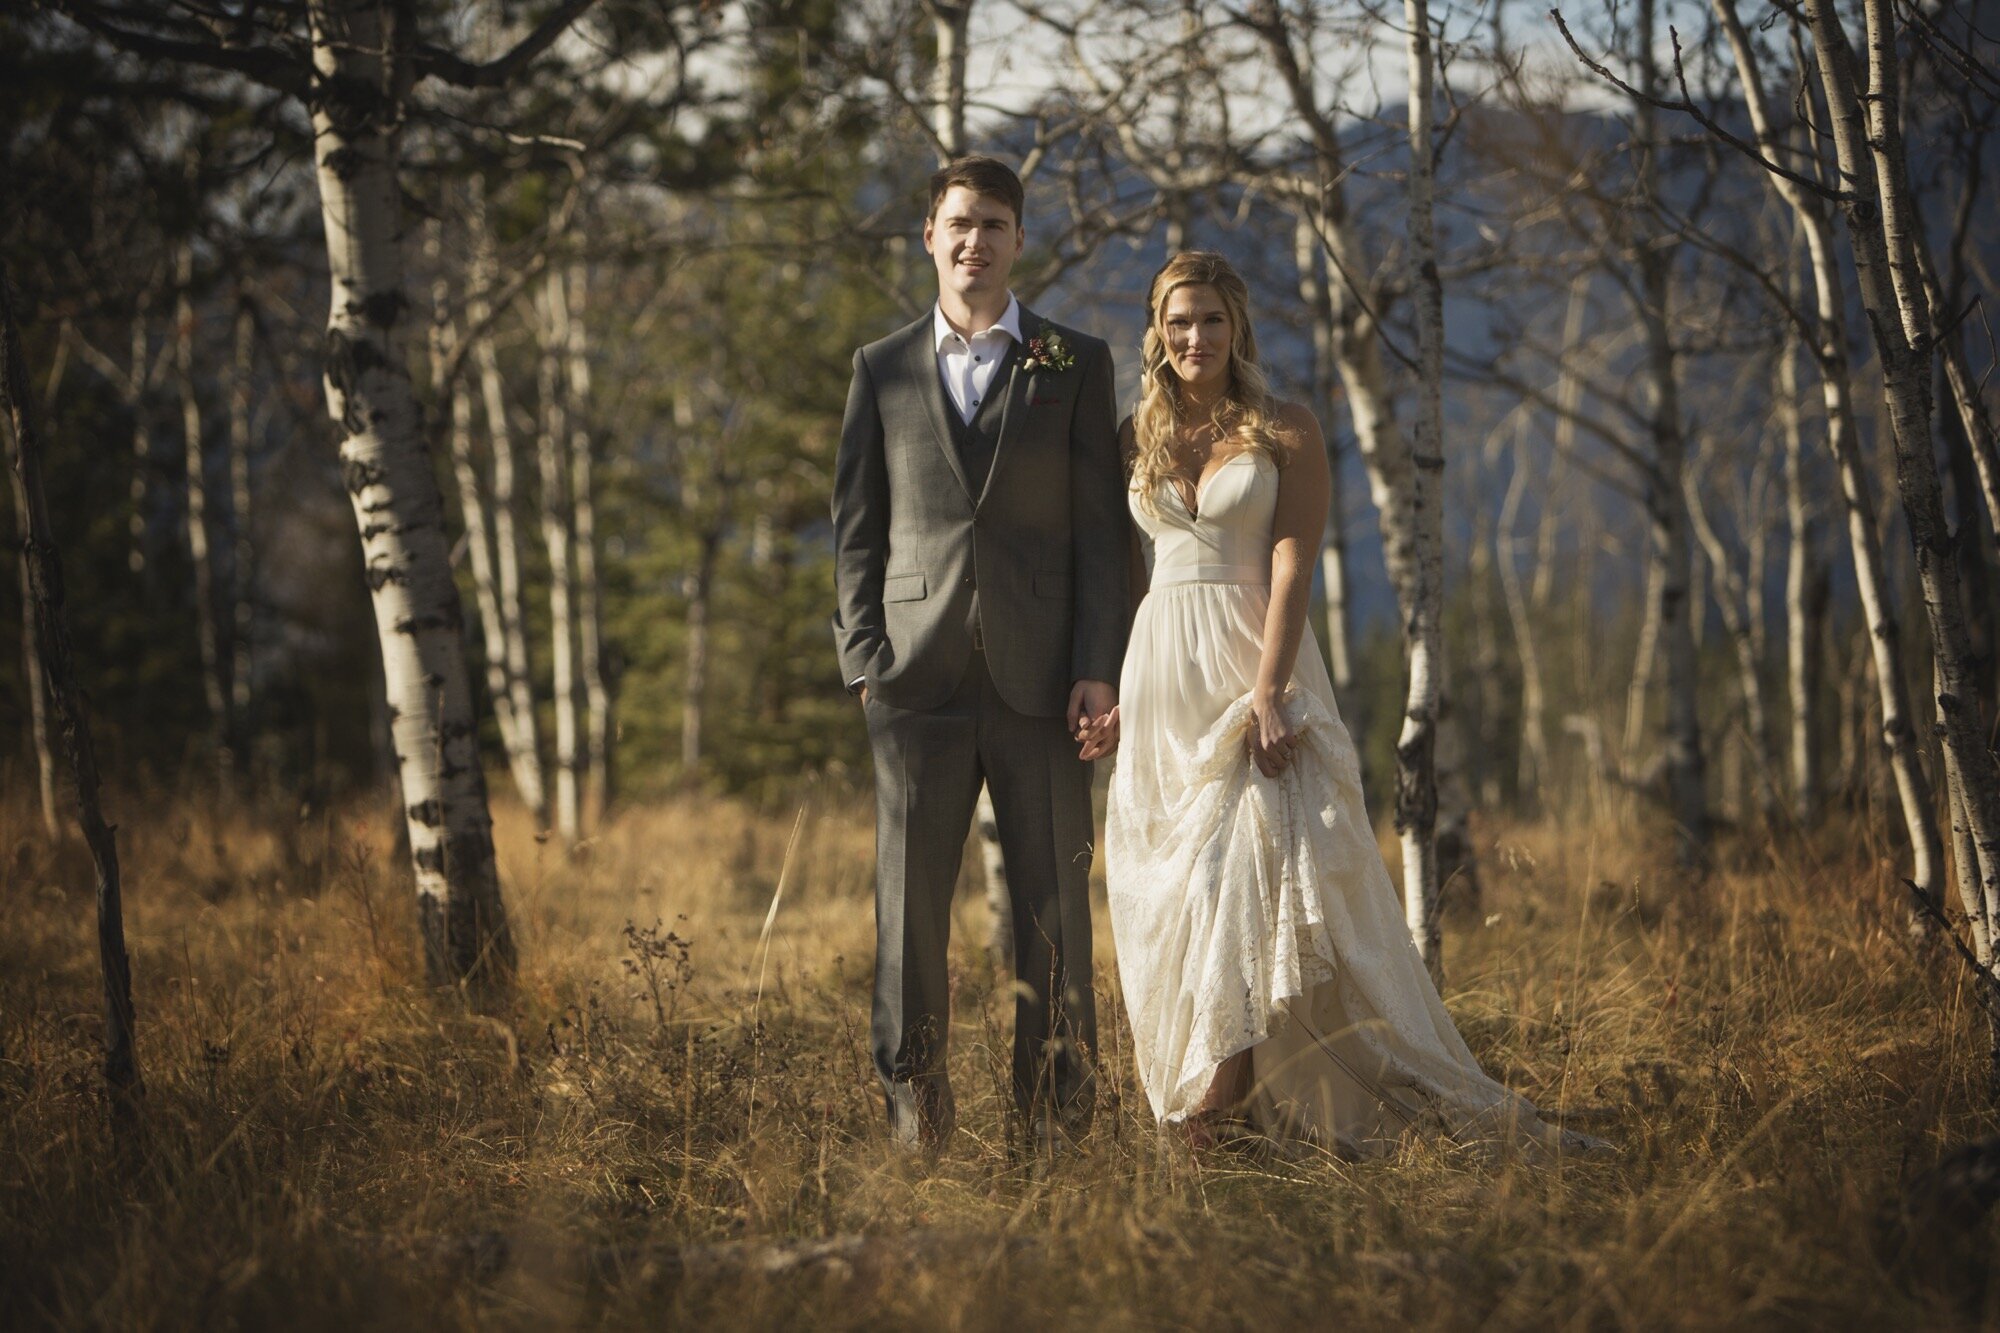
{"x": 980, "y": 549}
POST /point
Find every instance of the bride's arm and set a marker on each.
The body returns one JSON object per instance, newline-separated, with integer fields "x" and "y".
{"x": 1305, "y": 487}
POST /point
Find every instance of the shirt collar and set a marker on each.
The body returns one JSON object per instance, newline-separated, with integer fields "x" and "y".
{"x": 1008, "y": 323}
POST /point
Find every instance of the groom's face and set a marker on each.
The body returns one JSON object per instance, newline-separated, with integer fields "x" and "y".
{"x": 974, "y": 240}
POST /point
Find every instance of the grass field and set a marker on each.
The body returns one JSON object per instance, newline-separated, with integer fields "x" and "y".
{"x": 669, "y": 1115}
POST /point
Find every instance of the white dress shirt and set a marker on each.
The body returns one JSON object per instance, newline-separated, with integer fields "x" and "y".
{"x": 967, "y": 364}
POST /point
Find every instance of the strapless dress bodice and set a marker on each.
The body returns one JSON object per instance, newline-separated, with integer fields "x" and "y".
{"x": 1226, "y": 538}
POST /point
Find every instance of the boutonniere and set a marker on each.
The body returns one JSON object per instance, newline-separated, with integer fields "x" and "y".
{"x": 1049, "y": 352}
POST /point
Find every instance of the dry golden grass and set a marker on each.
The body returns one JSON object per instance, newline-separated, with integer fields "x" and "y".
{"x": 327, "y": 1145}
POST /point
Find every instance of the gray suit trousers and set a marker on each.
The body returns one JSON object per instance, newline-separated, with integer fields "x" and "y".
{"x": 928, "y": 768}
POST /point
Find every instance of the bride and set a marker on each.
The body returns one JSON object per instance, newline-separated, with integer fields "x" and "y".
{"x": 1264, "y": 958}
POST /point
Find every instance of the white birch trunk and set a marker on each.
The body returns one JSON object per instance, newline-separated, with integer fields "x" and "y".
{"x": 1393, "y": 485}
{"x": 949, "y": 25}
{"x": 993, "y": 862}
{"x": 1404, "y": 491}
{"x": 1416, "y": 772}
{"x": 1731, "y": 588}
{"x": 1871, "y": 576}
{"x": 1569, "y": 402}
{"x": 1333, "y": 548}
{"x": 1757, "y": 554}
{"x": 1805, "y": 584}
{"x": 1977, "y": 917}
{"x": 601, "y": 734}
{"x": 551, "y": 450}
{"x": 456, "y": 404}
{"x": 196, "y": 473}
{"x": 1534, "y": 759}
{"x": 1480, "y": 560}
{"x": 1973, "y": 416}
{"x": 1867, "y": 136}
{"x": 362, "y": 79}
{"x": 1644, "y": 660}
{"x": 524, "y": 760}
{"x": 1978, "y": 911}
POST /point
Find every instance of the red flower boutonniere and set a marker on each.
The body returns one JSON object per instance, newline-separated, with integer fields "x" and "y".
{"x": 1050, "y": 352}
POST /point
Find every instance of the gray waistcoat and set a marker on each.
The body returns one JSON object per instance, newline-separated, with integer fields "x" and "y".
{"x": 978, "y": 439}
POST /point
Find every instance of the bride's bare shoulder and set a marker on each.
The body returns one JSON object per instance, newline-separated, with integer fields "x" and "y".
{"x": 1297, "y": 428}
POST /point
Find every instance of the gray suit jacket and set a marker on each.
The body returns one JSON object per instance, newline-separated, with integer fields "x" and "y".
{"x": 1044, "y": 539}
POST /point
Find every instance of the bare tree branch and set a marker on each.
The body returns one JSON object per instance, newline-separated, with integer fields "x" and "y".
{"x": 454, "y": 69}
{"x": 1685, "y": 104}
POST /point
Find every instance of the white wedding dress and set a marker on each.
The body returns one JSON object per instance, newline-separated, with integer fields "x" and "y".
{"x": 1257, "y": 912}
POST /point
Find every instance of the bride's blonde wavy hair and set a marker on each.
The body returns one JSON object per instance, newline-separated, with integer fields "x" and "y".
{"x": 1246, "y": 411}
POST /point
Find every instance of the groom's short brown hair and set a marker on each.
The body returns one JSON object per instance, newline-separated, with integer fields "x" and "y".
{"x": 981, "y": 175}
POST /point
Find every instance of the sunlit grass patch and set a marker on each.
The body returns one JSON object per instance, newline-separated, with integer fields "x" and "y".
{"x": 645, "y": 1134}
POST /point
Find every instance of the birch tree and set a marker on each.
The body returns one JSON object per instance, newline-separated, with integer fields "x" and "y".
{"x": 355, "y": 67}
{"x": 524, "y": 755}
{"x": 1533, "y": 768}
{"x": 1666, "y": 498}
{"x": 134, "y": 381}
{"x": 1882, "y": 228}
{"x": 1310, "y": 261}
{"x": 364, "y": 74}
{"x": 950, "y": 24}
{"x": 1863, "y": 110}
{"x": 552, "y": 458}
{"x": 1416, "y": 772}
{"x": 1402, "y": 478}
{"x": 196, "y": 473}
{"x": 601, "y": 731}
{"x": 1828, "y": 340}
{"x": 1805, "y": 579}
{"x": 1732, "y": 583}
{"x": 457, "y": 410}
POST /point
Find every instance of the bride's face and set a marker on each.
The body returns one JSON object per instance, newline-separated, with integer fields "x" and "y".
{"x": 1198, "y": 334}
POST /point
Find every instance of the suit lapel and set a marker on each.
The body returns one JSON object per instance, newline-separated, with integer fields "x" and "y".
{"x": 1020, "y": 383}
{"x": 923, "y": 368}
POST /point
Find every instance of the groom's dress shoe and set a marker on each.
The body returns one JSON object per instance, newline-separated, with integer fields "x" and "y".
{"x": 922, "y": 1113}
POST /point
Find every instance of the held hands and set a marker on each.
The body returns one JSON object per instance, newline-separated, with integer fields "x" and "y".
{"x": 1093, "y": 718}
{"x": 1273, "y": 740}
